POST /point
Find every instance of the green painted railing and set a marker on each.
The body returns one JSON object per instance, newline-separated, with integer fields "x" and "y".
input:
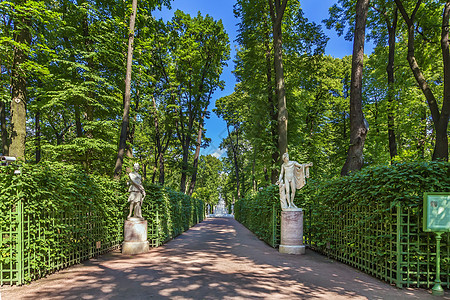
{"x": 386, "y": 242}
{"x": 260, "y": 213}
{"x": 67, "y": 238}
{"x": 381, "y": 238}
{"x": 50, "y": 221}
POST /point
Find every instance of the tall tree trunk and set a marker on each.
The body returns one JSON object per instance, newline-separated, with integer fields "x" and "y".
{"x": 441, "y": 146}
{"x": 4, "y": 149}
{"x": 132, "y": 128}
{"x": 255, "y": 184}
{"x": 391, "y": 80}
{"x": 196, "y": 155}
{"x": 358, "y": 129}
{"x": 277, "y": 9}
{"x": 422, "y": 134}
{"x": 273, "y": 113}
{"x": 184, "y": 166}
{"x": 234, "y": 148}
{"x": 22, "y": 39}
{"x": 127, "y": 95}
{"x": 78, "y": 126}
{"x": 160, "y": 152}
{"x": 184, "y": 135}
{"x": 440, "y": 119}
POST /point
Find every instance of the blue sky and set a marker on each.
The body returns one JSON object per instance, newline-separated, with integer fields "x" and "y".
{"x": 314, "y": 10}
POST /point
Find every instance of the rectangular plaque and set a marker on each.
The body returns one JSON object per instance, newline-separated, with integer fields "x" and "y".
{"x": 436, "y": 212}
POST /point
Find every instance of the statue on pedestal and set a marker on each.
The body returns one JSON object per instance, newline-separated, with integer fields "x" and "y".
{"x": 295, "y": 175}
{"x": 137, "y": 193}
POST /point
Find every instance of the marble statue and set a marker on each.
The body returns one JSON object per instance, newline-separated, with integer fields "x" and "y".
{"x": 137, "y": 193}
{"x": 295, "y": 175}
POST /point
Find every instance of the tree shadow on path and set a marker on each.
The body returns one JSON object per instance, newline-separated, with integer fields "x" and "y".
{"x": 216, "y": 259}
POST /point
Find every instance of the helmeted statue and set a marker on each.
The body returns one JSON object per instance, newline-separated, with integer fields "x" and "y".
{"x": 137, "y": 193}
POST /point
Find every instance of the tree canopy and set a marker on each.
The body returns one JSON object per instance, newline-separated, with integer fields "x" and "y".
{"x": 82, "y": 80}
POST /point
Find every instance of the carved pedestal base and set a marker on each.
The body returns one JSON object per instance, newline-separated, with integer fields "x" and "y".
{"x": 292, "y": 232}
{"x": 135, "y": 237}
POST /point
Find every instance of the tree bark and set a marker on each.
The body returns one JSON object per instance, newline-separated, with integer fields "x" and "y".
{"x": 358, "y": 129}
{"x": 234, "y": 148}
{"x": 127, "y": 95}
{"x": 277, "y": 9}
{"x": 19, "y": 88}
{"x": 441, "y": 146}
{"x": 196, "y": 156}
{"x": 392, "y": 28}
{"x": 184, "y": 167}
{"x": 440, "y": 119}
{"x": 159, "y": 148}
{"x": 4, "y": 149}
{"x": 273, "y": 113}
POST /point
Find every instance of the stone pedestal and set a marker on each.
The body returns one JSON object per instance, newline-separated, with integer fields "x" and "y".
{"x": 135, "y": 236}
{"x": 292, "y": 232}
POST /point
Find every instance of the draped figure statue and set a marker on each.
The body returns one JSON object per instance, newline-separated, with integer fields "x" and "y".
{"x": 295, "y": 175}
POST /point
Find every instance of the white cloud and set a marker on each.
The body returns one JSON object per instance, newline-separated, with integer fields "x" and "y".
{"x": 218, "y": 153}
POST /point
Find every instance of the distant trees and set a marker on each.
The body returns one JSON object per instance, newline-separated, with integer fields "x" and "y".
{"x": 72, "y": 72}
{"x": 408, "y": 120}
{"x": 67, "y": 74}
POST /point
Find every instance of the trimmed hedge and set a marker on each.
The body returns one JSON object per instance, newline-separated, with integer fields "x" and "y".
{"x": 54, "y": 215}
{"x": 260, "y": 214}
{"x": 171, "y": 213}
{"x": 371, "y": 220}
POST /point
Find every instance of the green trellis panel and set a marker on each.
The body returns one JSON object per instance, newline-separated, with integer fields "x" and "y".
{"x": 70, "y": 237}
{"x": 386, "y": 242}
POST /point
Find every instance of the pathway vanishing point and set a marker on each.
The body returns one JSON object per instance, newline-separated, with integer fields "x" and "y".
{"x": 216, "y": 259}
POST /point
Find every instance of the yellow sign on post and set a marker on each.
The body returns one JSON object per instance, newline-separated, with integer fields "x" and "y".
{"x": 436, "y": 218}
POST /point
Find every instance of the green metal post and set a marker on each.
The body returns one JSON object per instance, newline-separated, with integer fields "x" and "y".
{"x": 437, "y": 288}
{"x": 157, "y": 227}
{"x": 20, "y": 270}
{"x": 399, "y": 280}
{"x": 274, "y": 226}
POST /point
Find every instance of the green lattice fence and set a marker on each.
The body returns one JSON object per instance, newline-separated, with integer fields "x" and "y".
{"x": 372, "y": 220}
{"x": 54, "y": 216}
{"x": 35, "y": 244}
{"x": 260, "y": 213}
{"x": 387, "y": 242}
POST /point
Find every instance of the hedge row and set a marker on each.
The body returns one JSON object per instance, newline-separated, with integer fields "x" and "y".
{"x": 259, "y": 213}
{"x": 371, "y": 220}
{"x": 170, "y": 212}
{"x": 54, "y": 215}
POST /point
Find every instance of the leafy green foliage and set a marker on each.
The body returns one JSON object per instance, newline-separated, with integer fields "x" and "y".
{"x": 358, "y": 219}
{"x": 65, "y": 213}
{"x": 69, "y": 216}
{"x": 169, "y": 212}
{"x": 256, "y": 212}
{"x": 365, "y": 214}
